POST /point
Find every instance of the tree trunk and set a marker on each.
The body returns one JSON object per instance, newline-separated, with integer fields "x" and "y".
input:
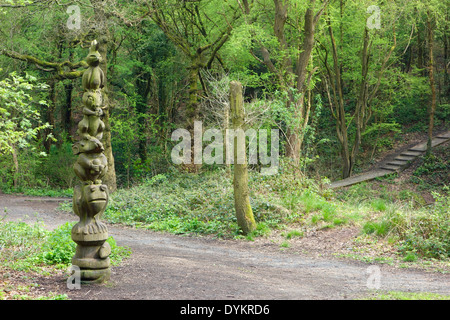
{"x": 446, "y": 40}
{"x": 420, "y": 50}
{"x": 16, "y": 166}
{"x": 66, "y": 111}
{"x": 226, "y": 122}
{"x": 192, "y": 106}
{"x": 432, "y": 107}
{"x": 142, "y": 107}
{"x": 244, "y": 213}
{"x": 339, "y": 114}
{"x": 296, "y": 135}
{"x": 50, "y": 116}
{"x": 293, "y": 146}
{"x": 110, "y": 177}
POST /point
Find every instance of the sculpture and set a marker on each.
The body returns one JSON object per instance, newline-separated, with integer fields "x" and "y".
{"x": 91, "y": 198}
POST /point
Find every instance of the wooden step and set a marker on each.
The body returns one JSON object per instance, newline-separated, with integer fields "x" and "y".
{"x": 445, "y": 135}
{"x": 422, "y": 147}
{"x": 360, "y": 178}
{"x": 405, "y": 158}
{"x": 419, "y": 148}
{"x": 398, "y": 163}
{"x": 391, "y": 167}
{"x": 414, "y": 154}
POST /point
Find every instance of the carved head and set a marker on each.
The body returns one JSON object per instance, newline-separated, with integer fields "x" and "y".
{"x": 94, "y": 57}
{"x": 95, "y": 197}
{"x": 92, "y": 99}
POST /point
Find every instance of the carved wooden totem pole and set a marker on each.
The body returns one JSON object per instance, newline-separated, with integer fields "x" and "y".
{"x": 91, "y": 197}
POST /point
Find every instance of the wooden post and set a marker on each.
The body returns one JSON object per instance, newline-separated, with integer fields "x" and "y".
{"x": 244, "y": 212}
{"x": 226, "y": 123}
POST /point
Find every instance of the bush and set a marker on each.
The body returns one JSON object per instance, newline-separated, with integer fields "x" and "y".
{"x": 26, "y": 177}
{"x": 58, "y": 247}
{"x": 39, "y": 171}
{"x": 429, "y": 234}
{"x": 182, "y": 203}
{"x": 57, "y": 167}
{"x": 422, "y": 232}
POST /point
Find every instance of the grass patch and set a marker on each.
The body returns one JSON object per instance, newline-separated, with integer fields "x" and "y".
{"x": 285, "y": 244}
{"x": 424, "y": 232}
{"x": 379, "y": 205}
{"x": 292, "y": 234}
{"x": 399, "y": 295}
{"x": 203, "y": 203}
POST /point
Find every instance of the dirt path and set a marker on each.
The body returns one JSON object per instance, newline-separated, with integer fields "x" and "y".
{"x": 170, "y": 267}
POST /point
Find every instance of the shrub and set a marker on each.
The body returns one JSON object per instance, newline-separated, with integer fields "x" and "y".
{"x": 429, "y": 234}
{"x": 57, "y": 167}
{"x": 423, "y": 232}
{"x": 58, "y": 247}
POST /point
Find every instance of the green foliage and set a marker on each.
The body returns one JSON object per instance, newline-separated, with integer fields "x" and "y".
{"x": 409, "y": 97}
{"x": 25, "y": 175}
{"x": 58, "y": 247}
{"x": 432, "y": 172}
{"x": 430, "y": 164}
{"x": 39, "y": 175}
{"x": 292, "y": 234}
{"x": 27, "y": 247}
{"x": 398, "y": 295}
{"x": 19, "y": 115}
{"x": 378, "y": 228}
{"x": 379, "y": 205}
{"x": 421, "y": 232}
{"x": 429, "y": 233}
{"x": 20, "y": 244}
{"x": 201, "y": 204}
{"x": 57, "y": 167}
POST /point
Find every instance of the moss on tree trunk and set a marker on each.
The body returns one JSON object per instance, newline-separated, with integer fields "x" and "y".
{"x": 244, "y": 213}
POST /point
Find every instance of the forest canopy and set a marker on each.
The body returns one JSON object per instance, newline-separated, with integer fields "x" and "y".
{"x": 340, "y": 79}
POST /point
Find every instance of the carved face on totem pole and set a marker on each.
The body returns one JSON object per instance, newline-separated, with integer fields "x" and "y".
{"x": 94, "y": 198}
{"x": 89, "y": 203}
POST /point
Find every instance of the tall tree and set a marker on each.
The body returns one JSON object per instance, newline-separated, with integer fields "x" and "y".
{"x": 372, "y": 66}
{"x": 288, "y": 58}
{"x": 432, "y": 106}
{"x": 434, "y": 15}
{"x": 199, "y": 29}
{"x": 244, "y": 213}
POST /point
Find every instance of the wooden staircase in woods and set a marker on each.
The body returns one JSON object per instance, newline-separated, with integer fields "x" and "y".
{"x": 398, "y": 164}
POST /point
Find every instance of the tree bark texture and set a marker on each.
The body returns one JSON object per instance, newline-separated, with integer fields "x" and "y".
{"x": 244, "y": 213}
